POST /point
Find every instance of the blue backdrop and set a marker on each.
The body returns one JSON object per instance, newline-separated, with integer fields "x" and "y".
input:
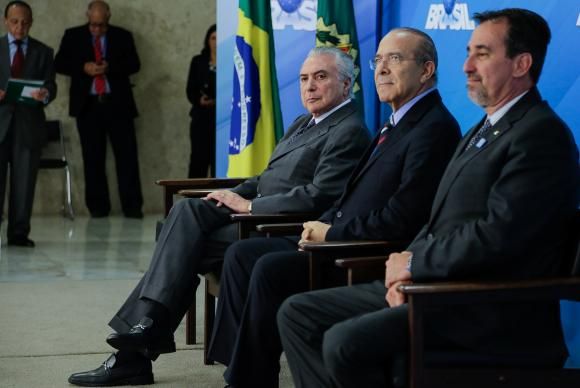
{"x": 449, "y": 23}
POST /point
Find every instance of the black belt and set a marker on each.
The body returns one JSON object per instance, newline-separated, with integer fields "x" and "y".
{"x": 101, "y": 98}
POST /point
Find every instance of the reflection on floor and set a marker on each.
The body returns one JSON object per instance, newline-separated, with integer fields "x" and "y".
{"x": 86, "y": 248}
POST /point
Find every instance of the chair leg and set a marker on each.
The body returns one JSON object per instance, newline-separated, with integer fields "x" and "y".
{"x": 208, "y": 324}
{"x": 190, "y": 323}
{"x": 68, "y": 208}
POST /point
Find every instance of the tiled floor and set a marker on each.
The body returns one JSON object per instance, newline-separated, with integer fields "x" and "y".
{"x": 103, "y": 248}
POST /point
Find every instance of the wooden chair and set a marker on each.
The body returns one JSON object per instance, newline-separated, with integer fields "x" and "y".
{"x": 431, "y": 369}
{"x": 322, "y": 255}
{"x": 246, "y": 224}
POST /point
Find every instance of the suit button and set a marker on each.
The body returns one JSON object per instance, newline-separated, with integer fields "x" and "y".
{"x": 259, "y": 195}
{"x": 430, "y": 236}
{"x": 338, "y": 214}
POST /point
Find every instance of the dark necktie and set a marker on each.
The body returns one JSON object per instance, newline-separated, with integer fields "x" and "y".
{"x": 17, "y": 61}
{"x": 100, "y": 86}
{"x": 480, "y": 134}
{"x": 383, "y": 136}
{"x": 301, "y": 130}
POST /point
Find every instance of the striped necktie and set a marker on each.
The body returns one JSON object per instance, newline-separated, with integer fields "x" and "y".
{"x": 480, "y": 134}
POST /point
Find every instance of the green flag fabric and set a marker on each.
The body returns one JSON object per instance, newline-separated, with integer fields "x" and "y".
{"x": 335, "y": 26}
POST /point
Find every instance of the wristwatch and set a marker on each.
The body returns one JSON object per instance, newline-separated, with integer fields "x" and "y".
{"x": 250, "y": 207}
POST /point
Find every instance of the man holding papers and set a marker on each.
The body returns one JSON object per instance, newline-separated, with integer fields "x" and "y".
{"x": 28, "y": 64}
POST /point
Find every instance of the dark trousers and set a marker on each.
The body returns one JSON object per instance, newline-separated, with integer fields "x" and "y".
{"x": 98, "y": 122}
{"x": 23, "y": 163}
{"x": 202, "y": 139}
{"x": 342, "y": 337}
{"x": 257, "y": 276}
{"x": 192, "y": 241}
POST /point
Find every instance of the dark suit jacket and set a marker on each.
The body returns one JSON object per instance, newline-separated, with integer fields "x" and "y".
{"x": 308, "y": 174}
{"x": 390, "y": 193}
{"x": 28, "y": 119}
{"x": 76, "y": 48}
{"x": 499, "y": 213}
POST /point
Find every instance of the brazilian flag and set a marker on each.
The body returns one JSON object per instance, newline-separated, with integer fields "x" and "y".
{"x": 335, "y": 26}
{"x": 256, "y": 123}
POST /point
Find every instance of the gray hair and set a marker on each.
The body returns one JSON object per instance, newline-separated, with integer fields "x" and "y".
{"x": 344, "y": 63}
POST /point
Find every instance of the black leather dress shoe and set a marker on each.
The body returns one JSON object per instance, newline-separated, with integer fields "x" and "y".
{"x": 111, "y": 374}
{"x": 21, "y": 242}
{"x": 144, "y": 338}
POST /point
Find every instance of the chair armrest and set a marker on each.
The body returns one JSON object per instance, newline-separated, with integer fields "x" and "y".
{"x": 173, "y": 186}
{"x": 363, "y": 269}
{"x": 322, "y": 254}
{"x": 284, "y": 229}
{"x": 362, "y": 262}
{"x": 354, "y": 248}
{"x": 195, "y": 193}
{"x": 247, "y": 222}
{"x": 493, "y": 291}
{"x": 198, "y": 183}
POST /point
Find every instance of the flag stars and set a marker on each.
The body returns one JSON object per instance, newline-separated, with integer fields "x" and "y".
{"x": 248, "y": 99}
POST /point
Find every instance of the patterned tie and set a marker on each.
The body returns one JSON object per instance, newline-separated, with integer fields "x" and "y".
{"x": 301, "y": 130}
{"x": 17, "y": 61}
{"x": 480, "y": 134}
{"x": 100, "y": 86}
{"x": 384, "y": 134}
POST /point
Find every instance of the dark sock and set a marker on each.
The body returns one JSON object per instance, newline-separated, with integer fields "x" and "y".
{"x": 128, "y": 357}
{"x": 158, "y": 313}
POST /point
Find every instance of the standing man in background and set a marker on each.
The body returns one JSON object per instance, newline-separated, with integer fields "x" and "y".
{"x": 99, "y": 58}
{"x": 22, "y": 133}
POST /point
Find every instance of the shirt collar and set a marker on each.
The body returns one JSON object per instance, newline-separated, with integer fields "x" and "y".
{"x": 399, "y": 113}
{"x": 318, "y": 119}
{"x": 11, "y": 39}
{"x": 498, "y": 114}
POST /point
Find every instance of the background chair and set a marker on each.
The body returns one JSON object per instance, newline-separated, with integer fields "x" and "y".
{"x": 429, "y": 368}
{"x": 54, "y": 157}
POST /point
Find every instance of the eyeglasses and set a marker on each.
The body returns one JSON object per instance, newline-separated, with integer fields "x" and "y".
{"x": 391, "y": 59}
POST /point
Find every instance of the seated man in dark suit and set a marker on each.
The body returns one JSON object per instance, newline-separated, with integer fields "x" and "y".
{"x": 306, "y": 173}
{"x": 500, "y": 212}
{"x": 387, "y": 197}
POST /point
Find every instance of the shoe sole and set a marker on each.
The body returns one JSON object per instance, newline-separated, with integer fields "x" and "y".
{"x": 139, "y": 380}
{"x": 121, "y": 344}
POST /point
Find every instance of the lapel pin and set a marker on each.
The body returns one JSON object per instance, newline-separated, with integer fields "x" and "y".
{"x": 495, "y": 133}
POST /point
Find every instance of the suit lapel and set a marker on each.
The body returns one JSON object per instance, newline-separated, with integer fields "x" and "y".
{"x": 30, "y": 59}
{"x": 4, "y": 58}
{"x": 402, "y": 129}
{"x": 461, "y": 159}
{"x": 312, "y": 133}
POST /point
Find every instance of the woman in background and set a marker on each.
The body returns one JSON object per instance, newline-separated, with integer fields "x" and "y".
{"x": 201, "y": 95}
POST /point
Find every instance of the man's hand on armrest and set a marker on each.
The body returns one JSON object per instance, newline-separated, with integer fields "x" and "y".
{"x": 230, "y": 200}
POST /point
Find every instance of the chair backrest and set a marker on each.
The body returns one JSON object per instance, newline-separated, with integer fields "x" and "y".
{"x": 53, "y": 130}
{"x": 571, "y": 248}
{"x": 54, "y": 152}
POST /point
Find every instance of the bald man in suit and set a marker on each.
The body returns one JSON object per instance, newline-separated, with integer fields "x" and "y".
{"x": 22, "y": 132}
